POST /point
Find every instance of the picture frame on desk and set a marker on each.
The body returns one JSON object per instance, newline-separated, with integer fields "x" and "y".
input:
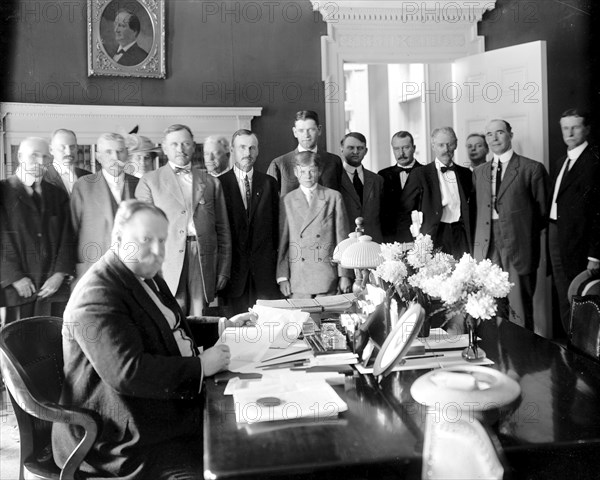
{"x": 126, "y": 38}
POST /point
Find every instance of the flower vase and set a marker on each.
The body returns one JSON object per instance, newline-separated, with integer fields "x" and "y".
{"x": 473, "y": 352}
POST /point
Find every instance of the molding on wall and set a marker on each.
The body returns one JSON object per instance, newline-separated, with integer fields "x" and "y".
{"x": 391, "y": 31}
{"x": 20, "y": 120}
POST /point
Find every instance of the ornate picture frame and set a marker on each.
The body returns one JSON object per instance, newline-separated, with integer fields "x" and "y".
{"x": 126, "y": 38}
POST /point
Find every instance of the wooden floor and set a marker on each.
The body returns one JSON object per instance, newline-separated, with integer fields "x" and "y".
{"x": 9, "y": 440}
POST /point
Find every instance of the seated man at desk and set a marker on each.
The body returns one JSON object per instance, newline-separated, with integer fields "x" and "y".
{"x": 129, "y": 356}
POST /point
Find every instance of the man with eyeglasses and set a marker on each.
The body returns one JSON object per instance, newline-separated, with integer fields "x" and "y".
{"x": 307, "y": 131}
{"x": 396, "y": 228}
{"x": 361, "y": 189}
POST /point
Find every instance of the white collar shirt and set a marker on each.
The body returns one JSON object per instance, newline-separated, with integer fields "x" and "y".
{"x": 115, "y": 184}
{"x": 351, "y": 171}
{"x": 572, "y": 156}
{"x": 240, "y": 175}
{"x": 450, "y": 195}
{"x": 503, "y": 159}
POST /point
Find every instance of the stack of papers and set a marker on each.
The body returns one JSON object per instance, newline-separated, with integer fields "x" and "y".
{"x": 330, "y": 303}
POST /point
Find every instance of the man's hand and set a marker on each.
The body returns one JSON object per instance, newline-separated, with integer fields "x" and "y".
{"x": 285, "y": 288}
{"x": 593, "y": 266}
{"x": 215, "y": 359}
{"x": 221, "y": 282}
{"x": 247, "y": 319}
{"x": 51, "y": 286}
{"x": 24, "y": 287}
{"x": 345, "y": 285}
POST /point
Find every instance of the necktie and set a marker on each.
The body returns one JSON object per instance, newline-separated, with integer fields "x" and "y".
{"x": 163, "y": 298}
{"x": 358, "y": 186}
{"x": 248, "y": 194}
{"x": 448, "y": 168}
{"x": 566, "y": 172}
{"x": 182, "y": 170}
{"x": 498, "y": 182}
{"x": 406, "y": 171}
{"x": 37, "y": 199}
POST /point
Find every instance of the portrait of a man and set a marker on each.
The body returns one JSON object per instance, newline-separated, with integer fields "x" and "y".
{"x": 127, "y": 29}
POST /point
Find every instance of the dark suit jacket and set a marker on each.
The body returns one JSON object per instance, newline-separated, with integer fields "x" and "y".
{"x": 254, "y": 240}
{"x": 310, "y": 234}
{"x": 34, "y": 244}
{"x": 394, "y": 227}
{"x": 122, "y": 361}
{"x": 133, "y": 56}
{"x": 53, "y": 177}
{"x": 282, "y": 169}
{"x": 370, "y": 207}
{"x": 578, "y": 218}
{"x": 93, "y": 209}
{"x": 522, "y": 210}
{"x": 422, "y": 192}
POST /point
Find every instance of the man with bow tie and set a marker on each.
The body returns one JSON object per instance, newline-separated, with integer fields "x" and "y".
{"x": 441, "y": 191}
{"x": 36, "y": 237}
{"x": 510, "y": 192}
{"x": 198, "y": 251}
{"x": 361, "y": 189}
{"x": 95, "y": 199}
{"x": 395, "y": 228}
{"x": 127, "y": 28}
{"x": 574, "y": 230}
{"x": 253, "y": 209}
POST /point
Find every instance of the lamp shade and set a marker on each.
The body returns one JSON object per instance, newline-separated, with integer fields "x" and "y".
{"x": 364, "y": 253}
{"x": 343, "y": 245}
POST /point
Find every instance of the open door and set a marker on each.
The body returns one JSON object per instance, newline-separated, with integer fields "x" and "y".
{"x": 508, "y": 83}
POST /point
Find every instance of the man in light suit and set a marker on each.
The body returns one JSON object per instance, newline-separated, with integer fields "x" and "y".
{"x": 216, "y": 151}
{"x": 441, "y": 191}
{"x": 253, "y": 211}
{"x": 361, "y": 189}
{"x": 95, "y": 200}
{"x": 36, "y": 237}
{"x": 127, "y": 29}
{"x": 511, "y": 213}
{"x": 62, "y": 172}
{"x": 396, "y": 228}
{"x": 477, "y": 149}
{"x": 129, "y": 355}
{"x": 314, "y": 221}
{"x": 307, "y": 131}
{"x": 198, "y": 258}
{"x": 574, "y": 230}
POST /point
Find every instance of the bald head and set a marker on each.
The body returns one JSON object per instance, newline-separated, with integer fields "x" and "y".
{"x": 34, "y": 156}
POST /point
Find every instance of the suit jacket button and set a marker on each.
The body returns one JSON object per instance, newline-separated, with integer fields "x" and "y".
{"x": 183, "y": 212}
{"x": 39, "y": 235}
{"x": 300, "y": 236}
{"x": 180, "y": 231}
{"x": 302, "y": 259}
{"x": 318, "y": 236}
{"x": 180, "y": 251}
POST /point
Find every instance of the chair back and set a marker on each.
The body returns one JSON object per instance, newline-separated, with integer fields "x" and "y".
{"x": 584, "y": 328}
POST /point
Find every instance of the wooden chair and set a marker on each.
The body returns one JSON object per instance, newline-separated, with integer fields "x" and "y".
{"x": 32, "y": 366}
{"x": 584, "y": 328}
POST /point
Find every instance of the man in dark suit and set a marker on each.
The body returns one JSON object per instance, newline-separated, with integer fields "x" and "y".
{"x": 574, "y": 230}
{"x": 395, "y": 228}
{"x": 253, "y": 211}
{"x": 129, "y": 355}
{"x": 36, "y": 237}
{"x": 95, "y": 200}
{"x": 307, "y": 131}
{"x": 441, "y": 191}
{"x": 361, "y": 189}
{"x": 127, "y": 29}
{"x": 62, "y": 172}
{"x": 511, "y": 213}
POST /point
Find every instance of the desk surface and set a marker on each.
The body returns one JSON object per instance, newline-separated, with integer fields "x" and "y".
{"x": 557, "y": 417}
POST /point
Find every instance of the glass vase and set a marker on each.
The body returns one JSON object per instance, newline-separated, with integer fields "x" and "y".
{"x": 473, "y": 352}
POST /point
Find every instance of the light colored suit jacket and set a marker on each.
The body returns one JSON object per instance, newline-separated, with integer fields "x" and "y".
{"x": 522, "y": 208}
{"x": 310, "y": 234}
{"x": 371, "y": 204}
{"x": 93, "y": 210}
{"x": 161, "y": 188}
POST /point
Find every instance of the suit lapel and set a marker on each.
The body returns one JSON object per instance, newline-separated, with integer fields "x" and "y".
{"x": 317, "y": 204}
{"x": 574, "y": 172}
{"x": 22, "y": 196}
{"x": 510, "y": 175}
{"x": 257, "y": 193}
{"x": 198, "y": 187}
{"x": 348, "y": 188}
{"x": 169, "y": 179}
{"x": 368, "y": 186}
{"x": 434, "y": 184}
{"x": 52, "y": 176}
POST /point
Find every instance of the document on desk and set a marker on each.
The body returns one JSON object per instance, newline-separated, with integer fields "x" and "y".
{"x": 275, "y": 328}
{"x": 269, "y": 402}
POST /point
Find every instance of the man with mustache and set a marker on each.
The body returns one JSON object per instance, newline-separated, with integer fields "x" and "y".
{"x": 441, "y": 191}
{"x": 512, "y": 210}
{"x": 198, "y": 251}
{"x": 95, "y": 199}
{"x": 127, "y": 28}
{"x": 253, "y": 210}
{"x": 396, "y": 228}
{"x": 361, "y": 189}
{"x": 62, "y": 172}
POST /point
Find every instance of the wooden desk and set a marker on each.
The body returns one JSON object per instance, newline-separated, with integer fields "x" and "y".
{"x": 552, "y": 431}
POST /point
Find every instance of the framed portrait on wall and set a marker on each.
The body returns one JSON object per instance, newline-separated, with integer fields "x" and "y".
{"x": 126, "y": 38}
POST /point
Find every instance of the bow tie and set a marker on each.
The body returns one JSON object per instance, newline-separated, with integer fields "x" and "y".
{"x": 182, "y": 170}
{"x": 445, "y": 169}
{"x": 120, "y": 51}
{"x": 404, "y": 169}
